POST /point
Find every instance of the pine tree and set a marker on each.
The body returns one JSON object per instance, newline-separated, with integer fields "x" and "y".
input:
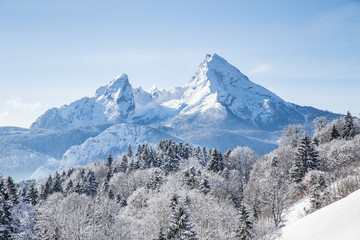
{"x": 111, "y": 194}
{"x": 109, "y": 175}
{"x": 245, "y": 228}
{"x": 172, "y": 162}
{"x": 46, "y": 190}
{"x": 12, "y": 190}
{"x": 8, "y": 224}
{"x": 348, "y": 131}
{"x": 216, "y": 163}
{"x": 109, "y": 161}
{"x": 129, "y": 152}
{"x": 79, "y": 188}
{"x": 205, "y": 186}
{"x": 69, "y": 186}
{"x": 91, "y": 185}
{"x": 306, "y": 159}
{"x": 334, "y": 133}
{"x": 190, "y": 178}
{"x": 180, "y": 226}
{"x": 227, "y": 153}
{"x": 32, "y": 195}
{"x": 57, "y": 184}
{"x": 174, "y": 201}
{"x": 155, "y": 181}
{"x": 318, "y": 195}
{"x": 124, "y": 164}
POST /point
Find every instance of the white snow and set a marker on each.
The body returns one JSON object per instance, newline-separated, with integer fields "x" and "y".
{"x": 297, "y": 211}
{"x": 337, "y": 221}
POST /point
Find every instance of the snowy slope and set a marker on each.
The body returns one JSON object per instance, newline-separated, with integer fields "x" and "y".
{"x": 219, "y": 95}
{"x": 22, "y": 151}
{"x": 339, "y": 220}
{"x": 114, "y": 140}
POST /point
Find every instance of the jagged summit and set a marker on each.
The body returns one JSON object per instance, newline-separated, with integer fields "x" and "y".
{"x": 116, "y": 84}
{"x": 112, "y": 103}
{"x": 217, "y": 96}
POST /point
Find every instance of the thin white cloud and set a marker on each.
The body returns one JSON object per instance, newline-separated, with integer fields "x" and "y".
{"x": 3, "y": 115}
{"x": 20, "y": 104}
{"x": 260, "y": 69}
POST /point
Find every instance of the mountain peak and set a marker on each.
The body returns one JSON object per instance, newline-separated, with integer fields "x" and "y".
{"x": 117, "y": 83}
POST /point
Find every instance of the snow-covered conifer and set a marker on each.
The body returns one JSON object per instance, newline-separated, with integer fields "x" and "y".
{"x": 245, "y": 228}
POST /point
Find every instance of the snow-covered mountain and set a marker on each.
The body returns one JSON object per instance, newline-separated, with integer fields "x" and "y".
{"x": 111, "y": 104}
{"x": 114, "y": 140}
{"x": 219, "y": 106}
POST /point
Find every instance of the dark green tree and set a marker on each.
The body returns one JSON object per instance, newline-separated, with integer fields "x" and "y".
{"x": 205, "y": 186}
{"x": 9, "y": 226}
{"x": 109, "y": 161}
{"x": 245, "y": 228}
{"x": 124, "y": 164}
{"x": 348, "y": 131}
{"x": 181, "y": 225}
{"x": 216, "y": 163}
{"x": 306, "y": 159}
{"x": 334, "y": 133}
{"x": 91, "y": 184}
{"x": 57, "y": 184}
{"x": 155, "y": 181}
{"x": 12, "y": 190}
{"x": 32, "y": 195}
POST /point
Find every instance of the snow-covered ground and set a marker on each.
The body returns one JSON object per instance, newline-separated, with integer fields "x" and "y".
{"x": 297, "y": 211}
{"x": 337, "y": 221}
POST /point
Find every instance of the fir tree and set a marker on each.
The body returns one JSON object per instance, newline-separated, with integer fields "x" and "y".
{"x": 306, "y": 159}
{"x": 129, "y": 152}
{"x": 32, "y": 195}
{"x": 79, "y": 188}
{"x": 8, "y": 224}
{"x": 109, "y": 175}
{"x": 111, "y": 194}
{"x": 46, "y": 190}
{"x": 174, "y": 201}
{"x": 124, "y": 164}
{"x": 180, "y": 226}
{"x": 57, "y": 184}
{"x": 190, "y": 178}
{"x": 245, "y": 228}
{"x": 91, "y": 184}
{"x": 155, "y": 181}
{"x": 216, "y": 163}
{"x": 171, "y": 164}
{"x": 318, "y": 194}
{"x": 205, "y": 186}
{"x": 109, "y": 161}
{"x": 69, "y": 186}
{"x": 348, "y": 131}
{"x": 334, "y": 133}
{"x": 12, "y": 190}
{"x": 227, "y": 153}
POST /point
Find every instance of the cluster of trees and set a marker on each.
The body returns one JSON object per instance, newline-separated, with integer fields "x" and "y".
{"x": 179, "y": 191}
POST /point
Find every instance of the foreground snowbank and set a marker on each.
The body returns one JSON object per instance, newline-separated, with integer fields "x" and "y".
{"x": 339, "y": 220}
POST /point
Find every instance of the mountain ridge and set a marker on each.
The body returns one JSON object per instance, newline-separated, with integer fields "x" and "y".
{"x": 219, "y": 106}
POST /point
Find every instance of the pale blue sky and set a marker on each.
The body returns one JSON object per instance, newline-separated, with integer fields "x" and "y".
{"x": 54, "y": 52}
